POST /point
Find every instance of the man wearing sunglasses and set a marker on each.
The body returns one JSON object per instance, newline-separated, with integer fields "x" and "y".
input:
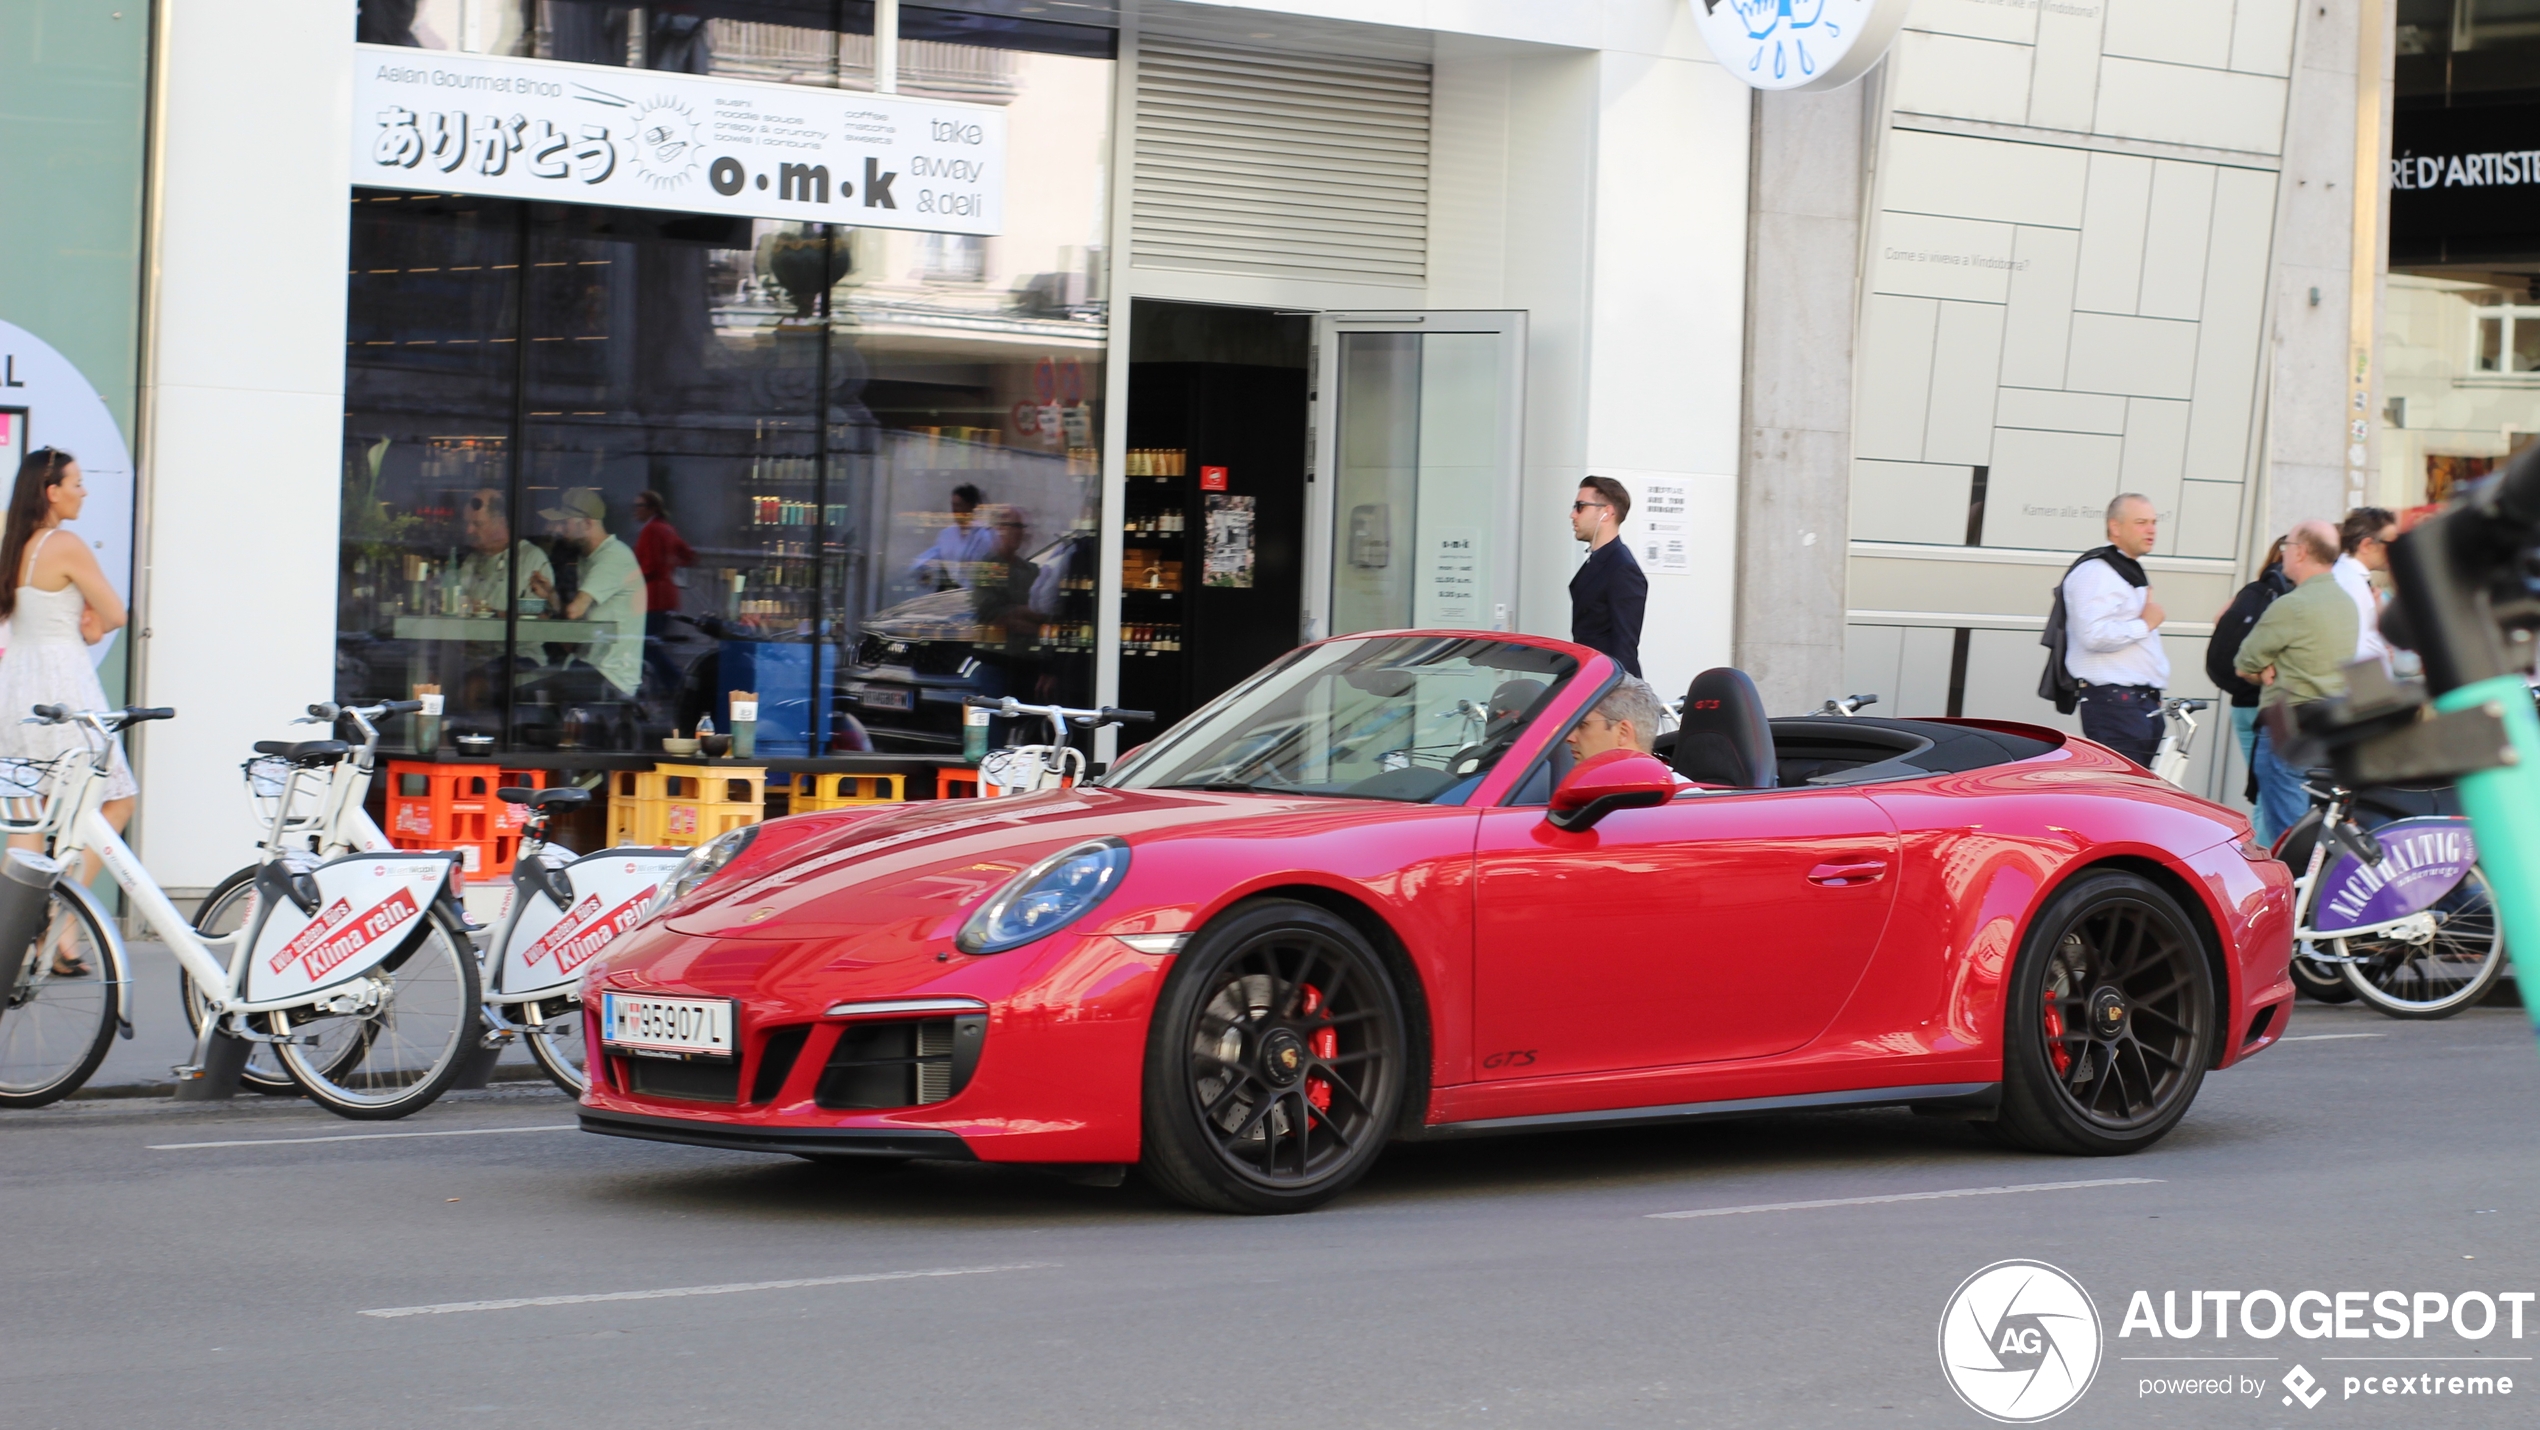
{"x": 1609, "y": 593}
{"x": 481, "y": 570}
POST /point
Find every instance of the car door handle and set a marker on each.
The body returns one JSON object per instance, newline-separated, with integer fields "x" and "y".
{"x": 1845, "y": 875}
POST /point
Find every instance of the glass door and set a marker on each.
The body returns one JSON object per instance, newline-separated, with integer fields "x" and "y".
{"x": 1418, "y": 421}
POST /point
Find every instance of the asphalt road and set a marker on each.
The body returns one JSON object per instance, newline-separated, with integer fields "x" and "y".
{"x": 154, "y": 1280}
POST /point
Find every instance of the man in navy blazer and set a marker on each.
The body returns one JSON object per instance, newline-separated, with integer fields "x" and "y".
{"x": 1609, "y": 593}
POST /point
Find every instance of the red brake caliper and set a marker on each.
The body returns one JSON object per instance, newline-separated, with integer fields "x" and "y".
{"x": 2060, "y": 1055}
{"x": 1326, "y": 1044}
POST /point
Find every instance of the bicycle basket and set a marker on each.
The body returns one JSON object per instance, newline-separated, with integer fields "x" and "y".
{"x": 22, "y": 785}
{"x": 275, "y": 785}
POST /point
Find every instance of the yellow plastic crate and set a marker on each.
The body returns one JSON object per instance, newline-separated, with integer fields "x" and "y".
{"x": 817, "y": 792}
{"x": 684, "y": 805}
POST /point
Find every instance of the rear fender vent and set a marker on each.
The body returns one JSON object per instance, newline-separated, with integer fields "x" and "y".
{"x": 902, "y": 1063}
{"x": 776, "y": 1061}
{"x": 2259, "y": 1025}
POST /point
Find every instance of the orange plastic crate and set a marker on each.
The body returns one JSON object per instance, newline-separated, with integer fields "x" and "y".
{"x": 434, "y": 806}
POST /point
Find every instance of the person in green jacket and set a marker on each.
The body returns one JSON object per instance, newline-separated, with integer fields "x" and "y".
{"x": 2298, "y": 650}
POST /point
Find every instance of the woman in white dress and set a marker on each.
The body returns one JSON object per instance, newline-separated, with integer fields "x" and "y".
{"x": 60, "y": 606}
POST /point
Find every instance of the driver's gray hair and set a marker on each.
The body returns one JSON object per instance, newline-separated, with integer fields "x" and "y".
{"x": 1634, "y": 701}
{"x": 2116, "y": 505}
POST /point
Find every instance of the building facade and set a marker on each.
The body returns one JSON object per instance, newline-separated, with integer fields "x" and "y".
{"x": 2109, "y": 250}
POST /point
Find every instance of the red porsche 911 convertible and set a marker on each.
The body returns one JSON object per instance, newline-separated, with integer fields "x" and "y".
{"x": 1365, "y": 896}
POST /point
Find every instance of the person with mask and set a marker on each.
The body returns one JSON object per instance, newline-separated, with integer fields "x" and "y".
{"x": 609, "y": 591}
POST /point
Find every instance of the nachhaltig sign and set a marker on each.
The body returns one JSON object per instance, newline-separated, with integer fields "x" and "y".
{"x": 438, "y": 122}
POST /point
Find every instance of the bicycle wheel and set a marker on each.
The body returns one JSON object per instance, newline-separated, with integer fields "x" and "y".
{"x": 2320, "y": 981}
{"x": 562, "y": 1053}
{"x": 397, "y": 1054}
{"x": 2439, "y": 973}
{"x": 222, "y": 911}
{"x": 56, "y": 1027}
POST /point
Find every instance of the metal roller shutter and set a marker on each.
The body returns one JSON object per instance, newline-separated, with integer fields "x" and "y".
{"x": 1281, "y": 164}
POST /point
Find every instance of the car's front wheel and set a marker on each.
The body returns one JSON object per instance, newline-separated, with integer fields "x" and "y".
{"x": 1275, "y": 1065}
{"x": 2111, "y": 1021}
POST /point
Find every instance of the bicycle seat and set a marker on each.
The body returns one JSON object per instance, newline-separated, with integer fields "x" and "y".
{"x": 541, "y": 798}
{"x": 305, "y": 752}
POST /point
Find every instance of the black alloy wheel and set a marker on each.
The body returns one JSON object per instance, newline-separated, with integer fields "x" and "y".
{"x": 1276, "y": 1062}
{"x": 2111, "y": 1020}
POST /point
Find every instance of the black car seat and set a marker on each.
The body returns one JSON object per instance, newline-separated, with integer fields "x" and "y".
{"x": 1723, "y": 737}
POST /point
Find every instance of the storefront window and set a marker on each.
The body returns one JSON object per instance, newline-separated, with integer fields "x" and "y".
{"x": 604, "y": 467}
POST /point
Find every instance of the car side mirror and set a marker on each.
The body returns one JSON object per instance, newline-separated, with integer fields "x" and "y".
{"x": 1598, "y": 787}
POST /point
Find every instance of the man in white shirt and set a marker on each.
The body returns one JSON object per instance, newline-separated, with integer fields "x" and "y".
{"x": 2112, "y": 634}
{"x": 2363, "y": 546}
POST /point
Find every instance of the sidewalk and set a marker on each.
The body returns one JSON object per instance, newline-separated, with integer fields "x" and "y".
{"x": 140, "y": 1066}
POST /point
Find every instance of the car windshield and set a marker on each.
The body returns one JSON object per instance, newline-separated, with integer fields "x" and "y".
{"x": 1419, "y": 719}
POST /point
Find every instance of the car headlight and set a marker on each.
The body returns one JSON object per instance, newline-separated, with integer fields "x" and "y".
{"x": 1046, "y": 897}
{"x": 706, "y": 861}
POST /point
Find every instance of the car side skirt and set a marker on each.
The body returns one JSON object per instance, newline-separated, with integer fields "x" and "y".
{"x": 1948, "y": 1099}
{"x": 814, "y": 1141}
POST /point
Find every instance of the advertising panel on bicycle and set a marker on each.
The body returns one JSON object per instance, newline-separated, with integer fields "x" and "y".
{"x": 2421, "y": 861}
{"x": 369, "y": 905}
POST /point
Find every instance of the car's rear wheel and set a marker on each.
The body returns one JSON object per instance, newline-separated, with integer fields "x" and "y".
{"x": 1275, "y": 1066}
{"x": 2111, "y": 1021}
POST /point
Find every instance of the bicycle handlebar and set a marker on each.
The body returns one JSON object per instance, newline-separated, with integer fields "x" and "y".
{"x": 1082, "y": 719}
{"x": 129, "y": 715}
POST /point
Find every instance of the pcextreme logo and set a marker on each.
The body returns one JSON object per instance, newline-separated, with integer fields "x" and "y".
{"x": 2019, "y": 1341}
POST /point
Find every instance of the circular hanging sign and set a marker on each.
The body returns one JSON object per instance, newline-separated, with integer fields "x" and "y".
{"x": 1798, "y": 44}
{"x": 47, "y": 402}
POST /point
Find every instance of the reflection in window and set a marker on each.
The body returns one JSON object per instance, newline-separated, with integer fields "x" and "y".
{"x": 604, "y": 467}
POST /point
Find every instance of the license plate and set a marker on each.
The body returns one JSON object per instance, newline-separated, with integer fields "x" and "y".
{"x": 884, "y": 698}
{"x": 688, "y": 1027}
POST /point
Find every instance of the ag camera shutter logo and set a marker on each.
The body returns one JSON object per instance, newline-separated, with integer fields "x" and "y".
{"x": 2019, "y": 1341}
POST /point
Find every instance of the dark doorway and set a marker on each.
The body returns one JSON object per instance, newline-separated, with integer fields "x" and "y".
{"x": 1213, "y": 558}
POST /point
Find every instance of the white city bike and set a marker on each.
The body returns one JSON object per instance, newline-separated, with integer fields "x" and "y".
{"x": 2178, "y": 738}
{"x": 1027, "y": 769}
{"x": 559, "y": 912}
{"x": 353, "y": 973}
{"x": 559, "y": 909}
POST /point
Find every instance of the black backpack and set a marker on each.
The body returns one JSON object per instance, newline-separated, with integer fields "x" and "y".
{"x": 2056, "y": 683}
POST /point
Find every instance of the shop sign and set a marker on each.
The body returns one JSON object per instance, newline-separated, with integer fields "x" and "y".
{"x": 1798, "y": 44}
{"x": 510, "y": 128}
{"x": 2465, "y": 182}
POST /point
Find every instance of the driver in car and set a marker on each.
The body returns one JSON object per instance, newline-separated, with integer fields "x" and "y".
{"x": 1626, "y": 720}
